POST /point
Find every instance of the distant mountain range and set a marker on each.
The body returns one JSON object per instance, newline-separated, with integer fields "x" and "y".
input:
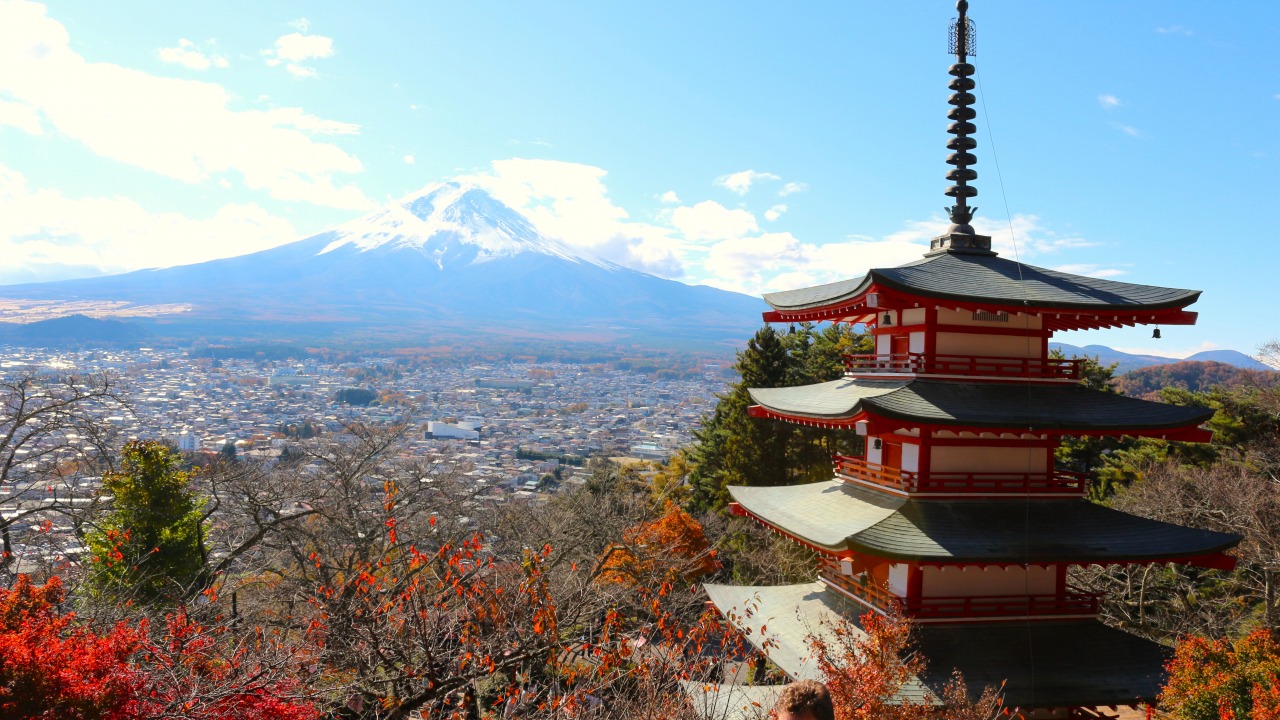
{"x": 1130, "y": 361}
{"x": 449, "y": 261}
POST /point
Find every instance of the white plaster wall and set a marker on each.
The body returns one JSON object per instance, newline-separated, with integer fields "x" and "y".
{"x": 874, "y": 455}
{"x": 898, "y": 579}
{"x": 915, "y": 342}
{"x": 988, "y": 459}
{"x": 984, "y": 345}
{"x": 965, "y": 317}
{"x": 884, "y": 345}
{"x": 975, "y": 581}
{"x": 910, "y": 457}
{"x": 913, "y": 316}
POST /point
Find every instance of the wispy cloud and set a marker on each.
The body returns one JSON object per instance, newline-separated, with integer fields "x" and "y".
{"x": 1174, "y": 30}
{"x": 45, "y": 230}
{"x": 775, "y": 212}
{"x": 409, "y": 160}
{"x": 1129, "y": 130}
{"x": 792, "y": 188}
{"x": 1109, "y": 101}
{"x": 179, "y": 128}
{"x": 741, "y": 182}
{"x": 191, "y": 56}
{"x": 669, "y": 197}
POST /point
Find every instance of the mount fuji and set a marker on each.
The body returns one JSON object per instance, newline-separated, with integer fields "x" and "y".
{"x": 448, "y": 260}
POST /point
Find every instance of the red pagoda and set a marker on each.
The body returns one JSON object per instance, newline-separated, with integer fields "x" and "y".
{"x": 956, "y": 514}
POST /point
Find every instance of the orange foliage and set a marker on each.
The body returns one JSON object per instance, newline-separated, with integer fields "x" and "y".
{"x": 868, "y": 665}
{"x": 672, "y": 545}
{"x": 1224, "y": 679}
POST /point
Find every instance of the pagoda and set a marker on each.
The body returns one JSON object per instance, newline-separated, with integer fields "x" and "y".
{"x": 955, "y": 513}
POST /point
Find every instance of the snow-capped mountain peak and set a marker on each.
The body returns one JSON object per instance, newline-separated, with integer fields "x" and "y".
{"x": 452, "y": 223}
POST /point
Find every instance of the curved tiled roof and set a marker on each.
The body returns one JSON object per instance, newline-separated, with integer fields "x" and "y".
{"x": 841, "y": 516}
{"x": 991, "y": 405}
{"x": 992, "y": 279}
{"x": 1078, "y": 663}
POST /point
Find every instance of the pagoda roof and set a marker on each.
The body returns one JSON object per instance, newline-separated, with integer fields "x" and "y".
{"x": 781, "y": 619}
{"x": 1039, "y": 406}
{"x": 1043, "y": 664}
{"x": 717, "y": 701}
{"x": 841, "y": 517}
{"x": 982, "y": 278}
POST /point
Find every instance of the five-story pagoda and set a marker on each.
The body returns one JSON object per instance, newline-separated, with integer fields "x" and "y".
{"x": 956, "y": 514}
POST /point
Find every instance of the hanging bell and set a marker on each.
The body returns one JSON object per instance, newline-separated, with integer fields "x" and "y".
{"x": 792, "y": 331}
{"x": 887, "y": 319}
{"x": 1155, "y": 334}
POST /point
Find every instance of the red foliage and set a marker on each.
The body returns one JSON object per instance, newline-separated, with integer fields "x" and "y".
{"x": 1224, "y": 679}
{"x": 51, "y": 669}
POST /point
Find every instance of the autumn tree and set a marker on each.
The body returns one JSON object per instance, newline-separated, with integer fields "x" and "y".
{"x": 869, "y": 667}
{"x": 54, "y": 665}
{"x": 50, "y": 668}
{"x": 51, "y": 426}
{"x": 673, "y": 542}
{"x": 1224, "y": 679}
{"x": 149, "y": 544}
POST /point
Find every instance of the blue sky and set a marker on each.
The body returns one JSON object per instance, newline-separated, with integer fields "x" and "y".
{"x": 752, "y": 146}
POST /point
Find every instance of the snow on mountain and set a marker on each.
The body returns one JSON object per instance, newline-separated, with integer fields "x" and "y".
{"x": 452, "y": 222}
{"x": 449, "y": 259}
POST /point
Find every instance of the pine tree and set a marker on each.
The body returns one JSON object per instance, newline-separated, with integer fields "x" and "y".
{"x": 150, "y": 545}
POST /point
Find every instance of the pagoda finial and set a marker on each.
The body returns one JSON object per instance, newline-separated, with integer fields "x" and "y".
{"x": 961, "y": 44}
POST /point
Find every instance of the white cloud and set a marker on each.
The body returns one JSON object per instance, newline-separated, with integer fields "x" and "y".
{"x": 741, "y": 182}
{"x": 1174, "y": 30}
{"x": 46, "y": 231}
{"x": 182, "y": 129}
{"x": 670, "y": 197}
{"x": 709, "y": 220}
{"x": 1129, "y": 130}
{"x": 295, "y": 48}
{"x": 190, "y": 56}
{"x": 775, "y": 212}
{"x": 710, "y": 243}
{"x": 569, "y": 201}
{"x": 1109, "y": 101}
{"x": 1091, "y": 270}
{"x": 301, "y": 24}
{"x": 23, "y": 117}
{"x": 408, "y": 160}
{"x": 792, "y": 188}
{"x": 779, "y": 261}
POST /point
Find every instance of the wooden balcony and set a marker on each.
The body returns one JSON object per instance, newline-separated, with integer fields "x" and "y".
{"x": 966, "y": 365}
{"x": 1072, "y": 603}
{"x": 1055, "y": 482}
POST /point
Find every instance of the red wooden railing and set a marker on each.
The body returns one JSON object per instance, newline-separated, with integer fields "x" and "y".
{"x": 1072, "y": 602}
{"x": 1002, "y": 367}
{"x": 1055, "y": 481}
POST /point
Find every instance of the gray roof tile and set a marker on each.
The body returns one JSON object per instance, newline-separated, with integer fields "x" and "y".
{"x": 993, "y": 405}
{"x": 993, "y": 279}
{"x": 842, "y": 516}
{"x": 1043, "y": 664}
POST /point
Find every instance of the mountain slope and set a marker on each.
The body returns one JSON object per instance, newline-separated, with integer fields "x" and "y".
{"x": 449, "y": 259}
{"x": 1131, "y": 361}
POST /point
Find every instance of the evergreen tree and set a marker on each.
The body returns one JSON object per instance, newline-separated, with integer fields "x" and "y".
{"x": 733, "y": 448}
{"x": 150, "y": 545}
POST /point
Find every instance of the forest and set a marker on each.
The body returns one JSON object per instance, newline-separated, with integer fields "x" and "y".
{"x": 351, "y": 580}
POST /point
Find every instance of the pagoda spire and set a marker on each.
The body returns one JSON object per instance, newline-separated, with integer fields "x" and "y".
{"x": 961, "y": 235}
